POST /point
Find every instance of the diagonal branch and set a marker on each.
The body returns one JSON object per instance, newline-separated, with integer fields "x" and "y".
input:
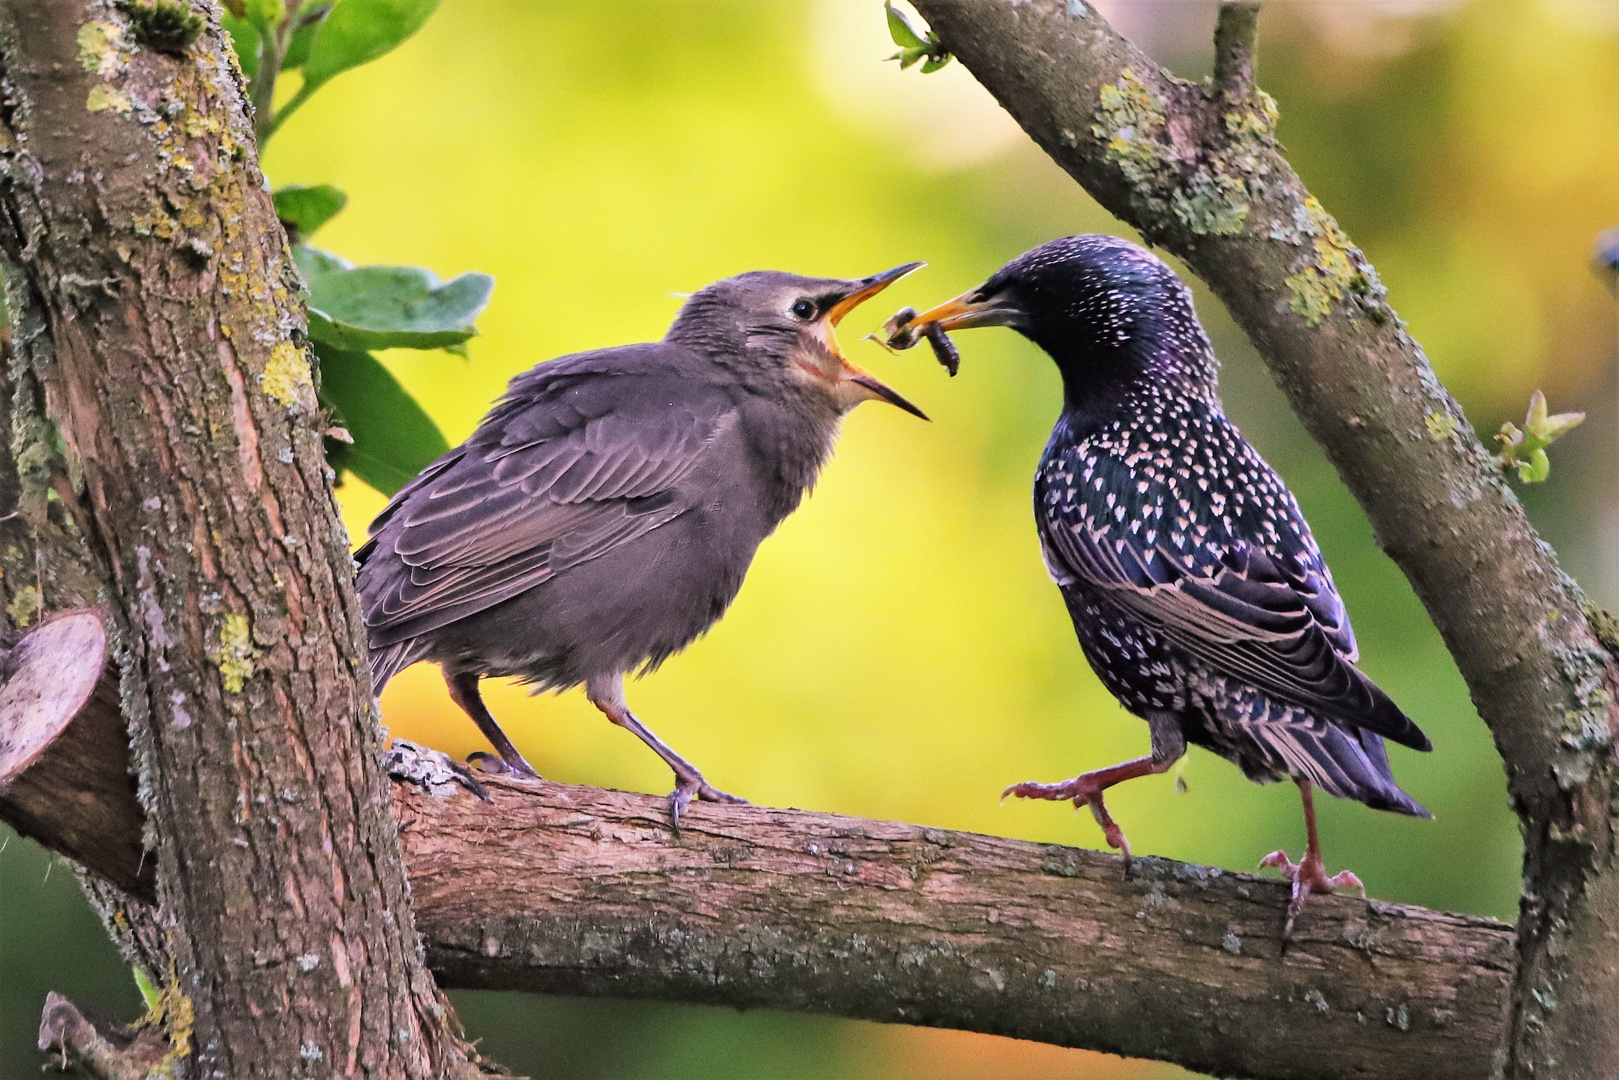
{"x": 1198, "y": 171}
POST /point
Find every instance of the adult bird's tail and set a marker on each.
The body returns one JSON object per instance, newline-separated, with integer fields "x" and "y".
{"x": 1348, "y": 763}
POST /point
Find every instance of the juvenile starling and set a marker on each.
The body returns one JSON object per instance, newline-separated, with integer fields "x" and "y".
{"x": 1194, "y": 585}
{"x": 603, "y": 515}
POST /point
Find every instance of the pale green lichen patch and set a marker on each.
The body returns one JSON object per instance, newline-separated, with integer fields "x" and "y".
{"x": 1256, "y": 119}
{"x": 1131, "y": 119}
{"x": 287, "y": 378}
{"x": 102, "y": 48}
{"x": 235, "y": 657}
{"x": 170, "y": 1009}
{"x": 1333, "y": 271}
{"x": 103, "y": 97}
{"x": 1212, "y": 203}
{"x": 1210, "y": 197}
{"x": 1441, "y": 426}
{"x": 25, "y": 605}
{"x": 1604, "y": 626}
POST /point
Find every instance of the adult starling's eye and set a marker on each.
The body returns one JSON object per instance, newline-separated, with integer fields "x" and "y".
{"x": 804, "y": 309}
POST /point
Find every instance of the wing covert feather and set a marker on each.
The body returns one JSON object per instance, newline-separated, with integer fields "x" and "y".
{"x": 569, "y": 466}
{"x": 1226, "y": 570}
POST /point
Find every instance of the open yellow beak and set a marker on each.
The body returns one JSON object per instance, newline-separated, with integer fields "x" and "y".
{"x": 866, "y": 288}
{"x": 870, "y": 385}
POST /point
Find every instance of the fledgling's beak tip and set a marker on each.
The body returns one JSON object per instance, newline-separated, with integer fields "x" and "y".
{"x": 866, "y": 288}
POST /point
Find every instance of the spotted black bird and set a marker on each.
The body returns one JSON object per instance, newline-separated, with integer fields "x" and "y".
{"x": 1194, "y": 585}
{"x": 603, "y": 515}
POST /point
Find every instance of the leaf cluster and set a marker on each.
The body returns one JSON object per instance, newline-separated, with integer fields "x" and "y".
{"x": 1525, "y": 449}
{"x": 913, "y": 44}
{"x": 379, "y": 432}
{"x": 319, "y": 40}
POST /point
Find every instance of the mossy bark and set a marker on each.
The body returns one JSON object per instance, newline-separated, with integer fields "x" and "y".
{"x": 149, "y": 286}
{"x": 1182, "y": 163}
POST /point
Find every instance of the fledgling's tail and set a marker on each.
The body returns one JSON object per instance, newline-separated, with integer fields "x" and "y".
{"x": 390, "y": 660}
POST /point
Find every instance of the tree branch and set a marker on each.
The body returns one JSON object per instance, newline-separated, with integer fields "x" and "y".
{"x": 1234, "y": 36}
{"x": 558, "y": 889}
{"x": 575, "y": 890}
{"x": 64, "y": 1030}
{"x": 1201, "y": 174}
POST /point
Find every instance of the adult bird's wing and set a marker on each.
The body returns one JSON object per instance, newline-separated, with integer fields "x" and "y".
{"x": 1237, "y": 583}
{"x": 580, "y": 457}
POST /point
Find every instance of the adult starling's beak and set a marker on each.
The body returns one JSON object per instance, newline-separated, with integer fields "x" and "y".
{"x": 869, "y": 385}
{"x": 971, "y": 308}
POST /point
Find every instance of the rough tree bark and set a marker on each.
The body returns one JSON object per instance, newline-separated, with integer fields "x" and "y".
{"x": 1196, "y": 170}
{"x": 157, "y": 327}
{"x": 165, "y": 417}
{"x": 558, "y": 889}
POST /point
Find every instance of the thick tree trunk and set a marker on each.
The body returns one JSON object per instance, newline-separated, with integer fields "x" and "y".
{"x": 158, "y": 331}
{"x": 1197, "y": 170}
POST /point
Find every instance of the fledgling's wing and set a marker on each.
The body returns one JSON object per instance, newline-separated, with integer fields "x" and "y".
{"x": 1212, "y": 551}
{"x": 580, "y": 457}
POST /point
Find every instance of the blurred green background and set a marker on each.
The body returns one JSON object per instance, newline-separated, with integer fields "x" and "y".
{"x": 897, "y": 651}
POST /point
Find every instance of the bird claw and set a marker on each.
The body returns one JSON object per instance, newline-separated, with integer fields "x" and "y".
{"x": 1309, "y": 876}
{"x": 499, "y": 766}
{"x": 1083, "y": 791}
{"x": 694, "y": 786}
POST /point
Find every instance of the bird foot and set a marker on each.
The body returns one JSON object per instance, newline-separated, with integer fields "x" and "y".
{"x": 1309, "y": 876}
{"x": 501, "y": 766}
{"x": 1085, "y": 790}
{"x": 692, "y": 785}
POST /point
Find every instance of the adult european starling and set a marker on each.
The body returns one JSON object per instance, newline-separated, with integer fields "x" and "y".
{"x": 602, "y": 516}
{"x": 1194, "y": 585}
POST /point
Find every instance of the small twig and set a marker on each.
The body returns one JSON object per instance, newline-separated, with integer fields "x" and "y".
{"x": 1234, "y": 49}
{"x": 63, "y": 1028}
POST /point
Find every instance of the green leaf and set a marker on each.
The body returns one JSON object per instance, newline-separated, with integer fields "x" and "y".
{"x": 388, "y": 307}
{"x": 265, "y": 15}
{"x": 393, "y": 438}
{"x": 900, "y": 29}
{"x": 1525, "y": 449}
{"x": 149, "y": 992}
{"x": 914, "y": 46}
{"x": 245, "y": 40}
{"x": 305, "y": 209}
{"x": 303, "y": 38}
{"x": 359, "y": 31}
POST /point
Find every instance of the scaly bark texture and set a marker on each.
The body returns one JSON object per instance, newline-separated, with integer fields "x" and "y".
{"x": 1196, "y": 169}
{"x": 580, "y": 891}
{"x": 158, "y": 333}
{"x": 559, "y": 889}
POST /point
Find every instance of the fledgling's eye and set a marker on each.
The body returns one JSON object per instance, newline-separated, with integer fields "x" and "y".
{"x": 803, "y": 309}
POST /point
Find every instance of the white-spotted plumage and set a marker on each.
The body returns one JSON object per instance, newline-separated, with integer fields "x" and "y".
{"x": 1195, "y": 587}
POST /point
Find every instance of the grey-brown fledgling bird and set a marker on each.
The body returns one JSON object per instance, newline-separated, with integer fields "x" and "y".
{"x": 603, "y": 515}
{"x": 1194, "y": 585}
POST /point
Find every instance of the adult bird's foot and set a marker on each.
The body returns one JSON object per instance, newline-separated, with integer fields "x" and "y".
{"x": 499, "y": 766}
{"x": 690, "y": 786}
{"x": 1085, "y": 790}
{"x": 1309, "y": 876}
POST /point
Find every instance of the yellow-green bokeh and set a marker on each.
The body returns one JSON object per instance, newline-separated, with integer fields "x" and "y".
{"x": 897, "y": 650}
